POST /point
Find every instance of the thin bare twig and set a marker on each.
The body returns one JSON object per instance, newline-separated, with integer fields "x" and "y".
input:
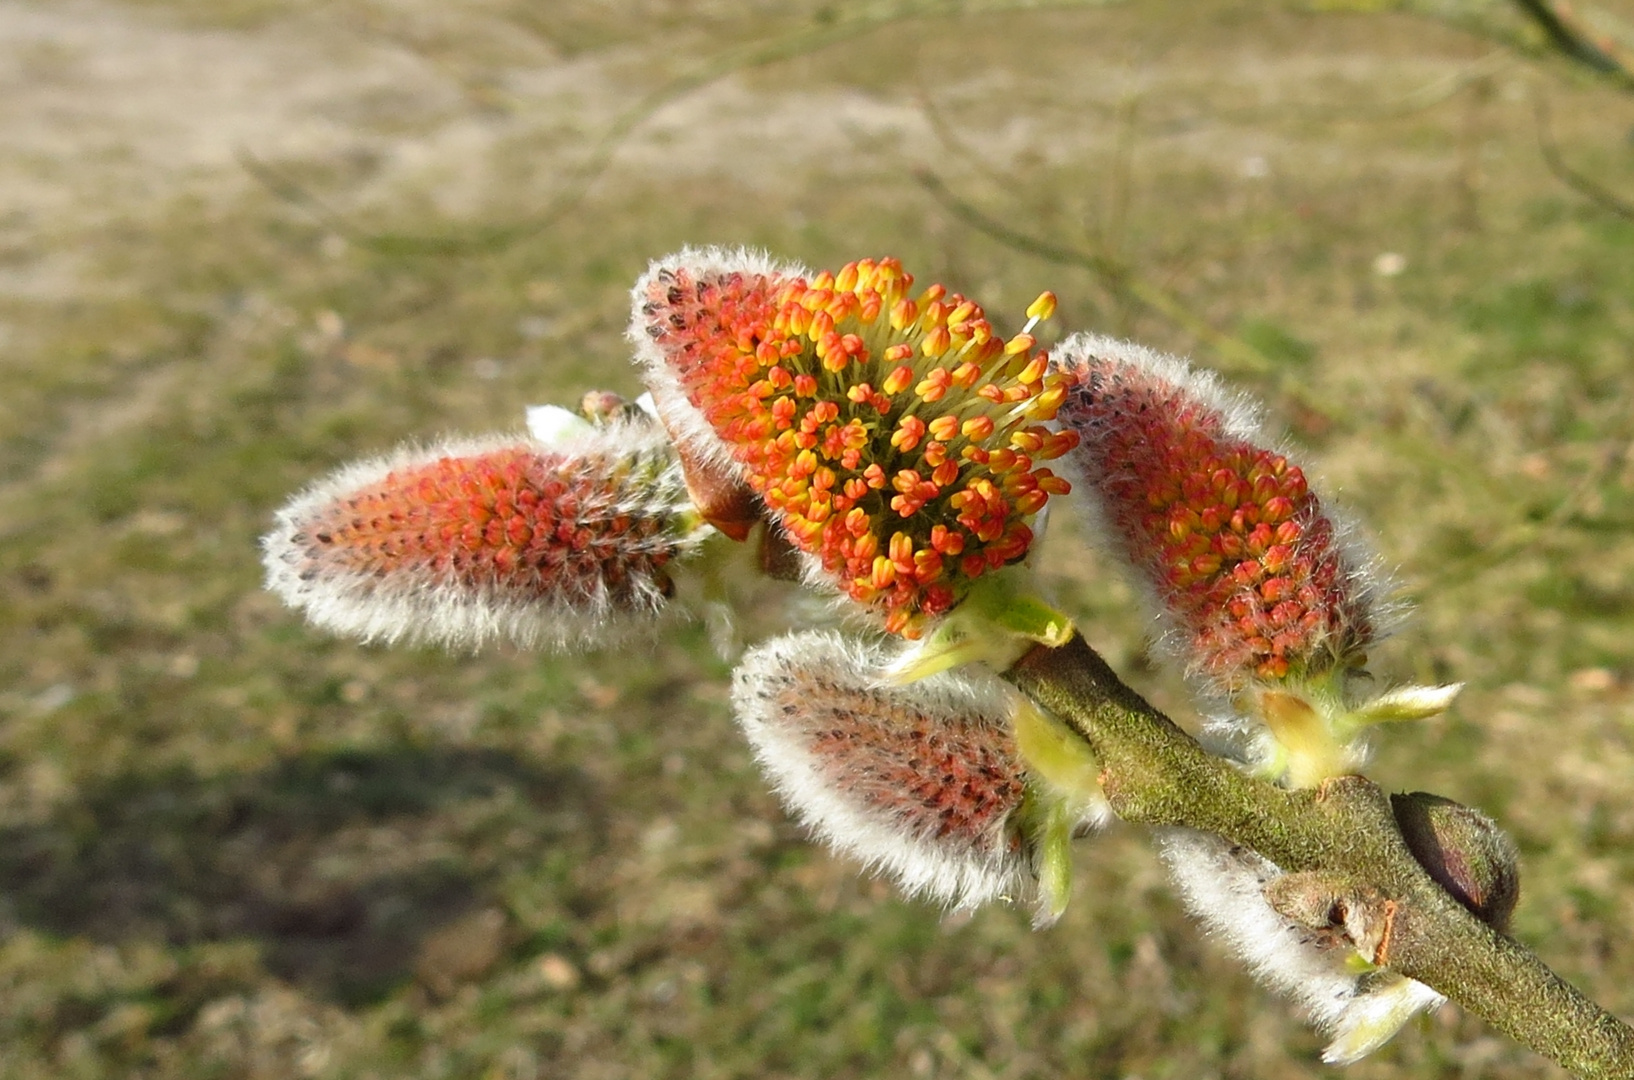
{"x": 1598, "y": 194}
{"x": 580, "y": 179}
{"x": 1567, "y": 34}
{"x": 1120, "y": 177}
{"x": 1114, "y": 273}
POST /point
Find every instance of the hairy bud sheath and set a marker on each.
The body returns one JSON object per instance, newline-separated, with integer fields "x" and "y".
{"x": 1359, "y": 1006}
{"x": 1247, "y": 569}
{"x": 561, "y": 542}
{"x": 894, "y": 438}
{"x": 1465, "y": 852}
{"x": 925, "y": 782}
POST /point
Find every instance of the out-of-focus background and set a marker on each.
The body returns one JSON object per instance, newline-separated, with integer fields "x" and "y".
{"x": 242, "y": 241}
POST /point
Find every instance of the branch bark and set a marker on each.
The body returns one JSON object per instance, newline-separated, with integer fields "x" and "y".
{"x": 1567, "y": 34}
{"x": 1156, "y": 774}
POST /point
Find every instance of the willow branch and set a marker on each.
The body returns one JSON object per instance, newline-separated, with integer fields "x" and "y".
{"x": 1596, "y": 193}
{"x": 1568, "y": 34}
{"x": 1156, "y": 774}
{"x": 1114, "y": 273}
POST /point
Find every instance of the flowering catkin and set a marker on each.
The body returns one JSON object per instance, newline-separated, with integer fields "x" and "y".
{"x": 562, "y": 542}
{"x": 1250, "y": 573}
{"x": 923, "y": 782}
{"x": 894, "y": 438}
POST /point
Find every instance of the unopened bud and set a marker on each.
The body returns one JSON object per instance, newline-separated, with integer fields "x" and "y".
{"x": 1464, "y": 851}
{"x": 600, "y": 406}
{"x": 720, "y": 497}
{"x": 924, "y": 782}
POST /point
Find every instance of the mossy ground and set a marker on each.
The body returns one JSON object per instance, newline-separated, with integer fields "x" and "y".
{"x": 230, "y": 846}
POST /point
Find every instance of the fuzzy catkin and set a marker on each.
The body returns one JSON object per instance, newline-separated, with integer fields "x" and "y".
{"x": 1252, "y": 577}
{"x": 894, "y": 438}
{"x": 923, "y": 782}
{"x": 1223, "y": 884}
{"x": 562, "y": 544}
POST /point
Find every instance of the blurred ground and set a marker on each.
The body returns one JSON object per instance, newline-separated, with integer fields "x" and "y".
{"x": 244, "y": 240}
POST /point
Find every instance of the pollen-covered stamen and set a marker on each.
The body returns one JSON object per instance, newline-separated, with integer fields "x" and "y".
{"x": 1242, "y": 556}
{"x": 847, "y": 391}
{"x": 1039, "y": 310}
{"x": 469, "y": 541}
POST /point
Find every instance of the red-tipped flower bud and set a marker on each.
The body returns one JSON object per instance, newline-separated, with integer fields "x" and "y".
{"x": 561, "y": 543}
{"x": 924, "y": 782}
{"x": 1250, "y": 573}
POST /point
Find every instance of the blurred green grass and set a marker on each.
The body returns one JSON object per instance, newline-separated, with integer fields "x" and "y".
{"x": 230, "y": 846}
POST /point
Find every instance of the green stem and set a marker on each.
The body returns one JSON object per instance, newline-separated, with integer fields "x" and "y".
{"x": 1156, "y": 774}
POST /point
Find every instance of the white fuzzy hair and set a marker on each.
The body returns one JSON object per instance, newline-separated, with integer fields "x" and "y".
{"x": 669, "y": 399}
{"x": 685, "y": 422}
{"x": 1223, "y": 885}
{"x": 1239, "y": 414}
{"x": 1240, "y": 418}
{"x": 379, "y": 609}
{"x": 1376, "y": 1014}
{"x": 959, "y": 879}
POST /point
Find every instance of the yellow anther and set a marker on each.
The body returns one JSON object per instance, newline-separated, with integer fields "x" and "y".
{"x": 822, "y": 323}
{"x": 977, "y": 428}
{"x": 1043, "y": 307}
{"x": 1019, "y": 344}
{"x": 1045, "y": 405}
{"x": 898, "y": 380}
{"x": 901, "y": 548}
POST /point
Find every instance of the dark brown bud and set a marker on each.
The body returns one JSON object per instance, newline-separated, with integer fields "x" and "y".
{"x": 779, "y": 559}
{"x": 720, "y": 496}
{"x": 1464, "y": 851}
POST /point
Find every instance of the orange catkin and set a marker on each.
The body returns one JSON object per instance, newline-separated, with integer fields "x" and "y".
{"x": 886, "y": 431}
{"x": 460, "y": 543}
